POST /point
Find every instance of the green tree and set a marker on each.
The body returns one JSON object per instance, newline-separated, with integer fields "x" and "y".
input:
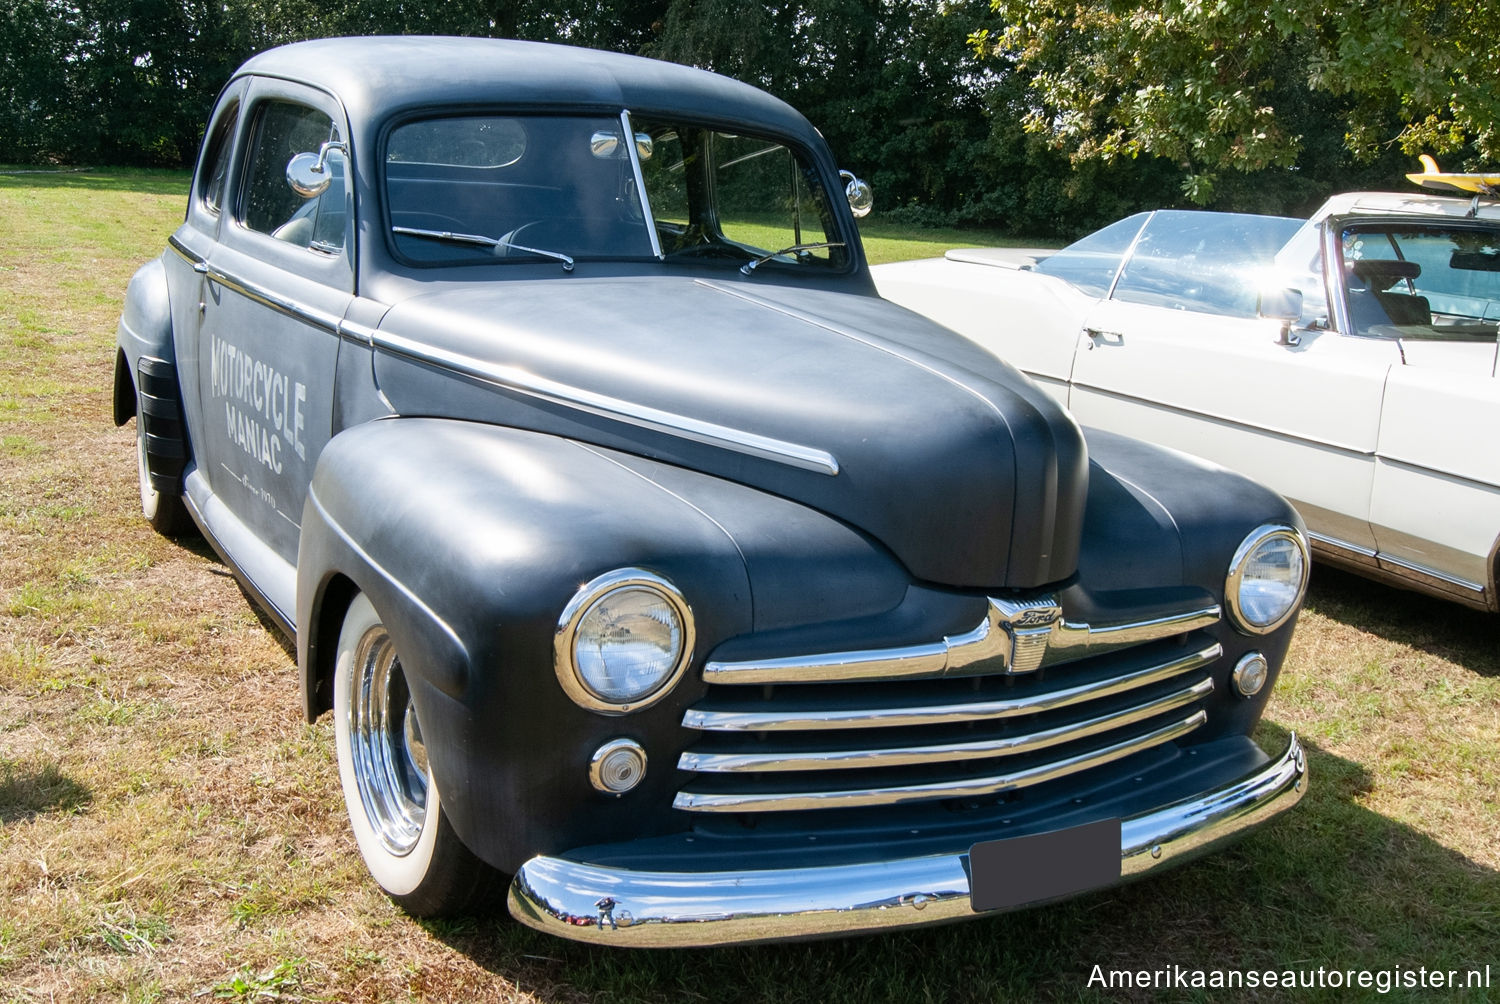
{"x": 1239, "y": 85}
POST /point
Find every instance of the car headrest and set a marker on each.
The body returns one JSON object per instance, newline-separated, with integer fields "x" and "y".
{"x": 1380, "y": 273}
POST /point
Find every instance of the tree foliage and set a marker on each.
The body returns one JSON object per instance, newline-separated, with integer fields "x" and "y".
{"x": 1053, "y": 117}
{"x": 1240, "y": 85}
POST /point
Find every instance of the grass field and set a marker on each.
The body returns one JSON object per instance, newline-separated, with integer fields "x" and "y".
{"x": 170, "y": 829}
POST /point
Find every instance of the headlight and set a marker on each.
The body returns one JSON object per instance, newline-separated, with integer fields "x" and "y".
{"x": 622, "y": 641}
{"x": 1266, "y": 579}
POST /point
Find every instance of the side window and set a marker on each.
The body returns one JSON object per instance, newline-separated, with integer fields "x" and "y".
{"x": 1423, "y": 280}
{"x": 217, "y": 161}
{"x": 765, "y": 199}
{"x": 270, "y": 206}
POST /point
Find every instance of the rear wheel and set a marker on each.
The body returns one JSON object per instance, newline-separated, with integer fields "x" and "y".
{"x": 164, "y": 511}
{"x": 395, "y": 809}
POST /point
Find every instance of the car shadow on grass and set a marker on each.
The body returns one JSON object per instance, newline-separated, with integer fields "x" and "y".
{"x": 192, "y": 540}
{"x": 1331, "y": 884}
{"x": 35, "y": 787}
{"x": 1470, "y": 638}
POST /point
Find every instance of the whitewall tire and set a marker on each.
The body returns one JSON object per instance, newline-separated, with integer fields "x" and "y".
{"x": 395, "y": 809}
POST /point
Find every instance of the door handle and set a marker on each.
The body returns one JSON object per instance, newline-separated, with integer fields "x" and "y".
{"x": 1097, "y": 335}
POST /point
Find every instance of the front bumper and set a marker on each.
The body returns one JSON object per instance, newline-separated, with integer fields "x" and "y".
{"x": 659, "y": 909}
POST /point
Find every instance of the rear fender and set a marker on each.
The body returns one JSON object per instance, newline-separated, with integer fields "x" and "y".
{"x": 145, "y": 330}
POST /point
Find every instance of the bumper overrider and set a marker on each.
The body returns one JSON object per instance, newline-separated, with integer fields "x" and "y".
{"x": 639, "y": 908}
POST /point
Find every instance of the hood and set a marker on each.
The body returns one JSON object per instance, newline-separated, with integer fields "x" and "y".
{"x": 966, "y": 471}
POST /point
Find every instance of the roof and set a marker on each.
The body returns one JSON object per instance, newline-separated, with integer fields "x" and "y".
{"x": 381, "y": 75}
{"x": 1404, "y": 204}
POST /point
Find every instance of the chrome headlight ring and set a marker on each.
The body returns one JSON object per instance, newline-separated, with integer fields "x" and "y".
{"x": 623, "y": 641}
{"x": 1267, "y": 578}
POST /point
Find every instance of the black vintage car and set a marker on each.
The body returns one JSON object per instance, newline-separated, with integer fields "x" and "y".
{"x": 641, "y": 551}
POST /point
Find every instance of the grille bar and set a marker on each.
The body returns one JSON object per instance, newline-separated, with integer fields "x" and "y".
{"x": 793, "y": 719}
{"x": 1014, "y": 637}
{"x": 964, "y": 788}
{"x": 904, "y": 756}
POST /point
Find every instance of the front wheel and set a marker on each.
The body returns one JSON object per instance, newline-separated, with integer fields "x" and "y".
{"x": 394, "y": 806}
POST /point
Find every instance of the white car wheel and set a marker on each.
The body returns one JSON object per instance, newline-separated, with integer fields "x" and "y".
{"x": 394, "y": 806}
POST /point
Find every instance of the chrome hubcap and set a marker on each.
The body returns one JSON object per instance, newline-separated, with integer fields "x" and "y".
{"x": 385, "y": 740}
{"x": 140, "y": 460}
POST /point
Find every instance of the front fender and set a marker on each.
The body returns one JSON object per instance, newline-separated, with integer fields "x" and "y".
{"x": 469, "y": 540}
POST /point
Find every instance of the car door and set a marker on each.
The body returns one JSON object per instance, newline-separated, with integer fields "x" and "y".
{"x": 1435, "y": 506}
{"x": 1176, "y": 355}
{"x": 277, "y": 283}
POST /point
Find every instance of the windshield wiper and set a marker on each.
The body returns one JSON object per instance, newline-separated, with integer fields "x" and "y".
{"x": 750, "y": 266}
{"x": 482, "y": 241}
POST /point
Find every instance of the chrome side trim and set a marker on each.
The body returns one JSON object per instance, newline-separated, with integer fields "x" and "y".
{"x": 267, "y": 297}
{"x": 1014, "y": 637}
{"x": 691, "y": 801}
{"x": 903, "y": 756}
{"x": 362, "y": 333}
{"x": 1423, "y": 572}
{"x": 654, "y": 909}
{"x": 514, "y": 379}
{"x": 1398, "y": 567}
{"x": 795, "y": 720}
{"x": 1334, "y": 543}
{"x": 184, "y": 252}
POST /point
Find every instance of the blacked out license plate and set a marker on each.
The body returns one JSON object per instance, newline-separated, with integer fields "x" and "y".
{"x": 1018, "y": 870}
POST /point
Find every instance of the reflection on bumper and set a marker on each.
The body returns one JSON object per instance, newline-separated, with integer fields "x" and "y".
{"x": 656, "y": 909}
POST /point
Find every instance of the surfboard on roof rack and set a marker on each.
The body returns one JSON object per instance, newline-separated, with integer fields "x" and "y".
{"x": 1435, "y": 178}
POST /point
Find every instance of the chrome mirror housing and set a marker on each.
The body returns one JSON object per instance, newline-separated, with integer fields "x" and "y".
{"x": 1284, "y": 305}
{"x": 859, "y": 193}
{"x": 307, "y": 173}
{"x": 605, "y": 144}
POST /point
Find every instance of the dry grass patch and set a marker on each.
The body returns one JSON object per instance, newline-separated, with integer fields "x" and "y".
{"x": 170, "y": 829}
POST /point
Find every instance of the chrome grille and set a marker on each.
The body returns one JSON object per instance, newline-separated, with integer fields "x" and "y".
{"x": 912, "y": 736}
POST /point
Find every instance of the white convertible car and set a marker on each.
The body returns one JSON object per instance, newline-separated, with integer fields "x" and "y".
{"x": 1348, "y": 360}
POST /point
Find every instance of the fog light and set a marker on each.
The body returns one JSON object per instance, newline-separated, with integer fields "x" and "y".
{"x": 1250, "y": 674}
{"x": 617, "y": 766}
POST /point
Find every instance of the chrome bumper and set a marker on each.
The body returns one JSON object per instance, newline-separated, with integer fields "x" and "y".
{"x": 639, "y": 909}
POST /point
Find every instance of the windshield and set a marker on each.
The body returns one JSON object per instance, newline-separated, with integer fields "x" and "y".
{"x": 718, "y": 195}
{"x": 1421, "y": 280}
{"x": 474, "y": 189}
{"x": 469, "y": 189}
{"x": 1213, "y": 263}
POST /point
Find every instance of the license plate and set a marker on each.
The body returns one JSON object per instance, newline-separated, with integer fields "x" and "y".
{"x": 1013, "y": 872}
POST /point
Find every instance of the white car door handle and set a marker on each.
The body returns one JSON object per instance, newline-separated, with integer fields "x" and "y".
{"x": 1108, "y": 337}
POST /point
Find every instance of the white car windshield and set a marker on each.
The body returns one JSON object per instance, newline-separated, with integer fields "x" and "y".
{"x": 1214, "y": 263}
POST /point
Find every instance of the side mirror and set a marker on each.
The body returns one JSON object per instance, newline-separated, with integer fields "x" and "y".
{"x": 605, "y": 144}
{"x": 1284, "y": 305}
{"x": 308, "y": 174}
{"x": 861, "y": 197}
